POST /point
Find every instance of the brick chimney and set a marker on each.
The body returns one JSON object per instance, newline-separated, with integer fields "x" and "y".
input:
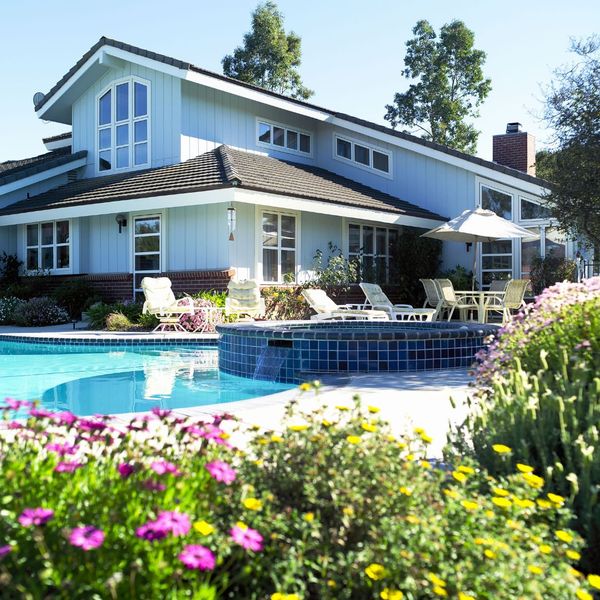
{"x": 515, "y": 149}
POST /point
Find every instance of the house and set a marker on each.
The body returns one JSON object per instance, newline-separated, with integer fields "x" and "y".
{"x": 169, "y": 168}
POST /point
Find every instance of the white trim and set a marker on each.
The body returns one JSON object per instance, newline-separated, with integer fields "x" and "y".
{"x": 57, "y": 144}
{"x": 352, "y": 161}
{"x": 286, "y": 128}
{"x": 53, "y": 271}
{"x": 161, "y": 240}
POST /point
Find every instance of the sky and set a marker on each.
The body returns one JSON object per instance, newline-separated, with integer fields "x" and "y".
{"x": 352, "y": 51}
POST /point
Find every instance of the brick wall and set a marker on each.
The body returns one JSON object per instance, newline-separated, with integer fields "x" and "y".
{"x": 515, "y": 150}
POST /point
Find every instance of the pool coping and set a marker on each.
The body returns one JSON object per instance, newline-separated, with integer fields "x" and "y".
{"x": 109, "y": 338}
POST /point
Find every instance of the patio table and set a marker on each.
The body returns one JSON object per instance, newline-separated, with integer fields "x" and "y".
{"x": 210, "y": 317}
{"x": 481, "y": 298}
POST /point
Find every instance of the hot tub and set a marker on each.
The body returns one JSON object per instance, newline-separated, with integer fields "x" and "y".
{"x": 296, "y": 351}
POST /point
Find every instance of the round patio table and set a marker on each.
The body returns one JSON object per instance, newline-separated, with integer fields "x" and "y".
{"x": 482, "y": 298}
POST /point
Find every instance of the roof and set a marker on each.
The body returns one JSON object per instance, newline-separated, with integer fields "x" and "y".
{"x": 56, "y": 138}
{"x": 222, "y": 168}
{"x": 186, "y": 66}
{"x": 13, "y": 170}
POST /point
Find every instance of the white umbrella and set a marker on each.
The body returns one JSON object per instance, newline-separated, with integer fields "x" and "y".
{"x": 478, "y": 225}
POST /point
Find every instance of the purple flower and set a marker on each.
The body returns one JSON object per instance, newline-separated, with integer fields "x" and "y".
{"x": 4, "y": 550}
{"x": 35, "y": 516}
{"x": 154, "y": 486}
{"x": 67, "y": 467}
{"x": 161, "y": 412}
{"x": 86, "y": 537}
{"x": 197, "y": 557}
{"x": 65, "y": 418}
{"x": 246, "y": 537}
{"x": 125, "y": 470}
{"x": 61, "y": 449}
{"x": 175, "y": 522}
{"x": 12, "y": 404}
{"x": 584, "y": 345}
{"x": 40, "y": 413}
{"x": 221, "y": 471}
{"x": 162, "y": 466}
{"x": 152, "y": 531}
{"x": 91, "y": 425}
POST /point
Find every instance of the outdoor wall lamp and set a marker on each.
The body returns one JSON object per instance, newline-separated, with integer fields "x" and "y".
{"x": 121, "y": 221}
{"x": 231, "y": 219}
{"x": 468, "y": 244}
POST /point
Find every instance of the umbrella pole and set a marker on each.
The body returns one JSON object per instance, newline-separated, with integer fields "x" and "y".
{"x": 475, "y": 246}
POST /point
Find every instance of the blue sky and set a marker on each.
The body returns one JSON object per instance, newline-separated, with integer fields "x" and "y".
{"x": 352, "y": 50}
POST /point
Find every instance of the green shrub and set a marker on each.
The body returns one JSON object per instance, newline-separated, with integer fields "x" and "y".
{"x": 10, "y": 266}
{"x": 118, "y": 322}
{"x": 213, "y": 296}
{"x": 147, "y": 321}
{"x": 335, "y": 274}
{"x": 459, "y": 276}
{"x": 38, "y": 312}
{"x": 75, "y": 296}
{"x": 285, "y": 303}
{"x": 550, "y": 269}
{"x": 97, "y": 313}
{"x": 8, "y": 306}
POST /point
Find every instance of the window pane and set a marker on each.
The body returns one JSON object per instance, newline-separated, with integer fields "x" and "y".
{"x": 104, "y": 139}
{"x": 288, "y": 262}
{"x": 288, "y": 227}
{"x": 104, "y": 109}
{"x": 104, "y": 163}
{"x": 48, "y": 258}
{"x": 530, "y": 249}
{"x": 304, "y": 143}
{"x": 497, "y": 247}
{"x": 555, "y": 242}
{"x": 32, "y": 259}
{"x": 496, "y": 262}
{"x": 264, "y": 133}
{"x": 122, "y": 135}
{"x": 269, "y": 227}
{"x": 122, "y": 101}
{"x": 380, "y": 244}
{"x": 292, "y": 140}
{"x": 354, "y": 239}
{"x": 496, "y": 201}
{"x": 278, "y": 136}
{"x": 147, "y": 262}
{"x": 530, "y": 210}
{"x": 380, "y": 268}
{"x": 149, "y": 243}
{"x": 344, "y": 149}
{"x": 47, "y": 234}
{"x": 147, "y": 225}
{"x": 367, "y": 246}
{"x": 140, "y": 130}
{"x": 62, "y": 232}
{"x": 269, "y": 265}
{"x": 122, "y": 157}
{"x": 361, "y": 155}
{"x": 62, "y": 257}
{"x": 140, "y": 100}
{"x": 32, "y": 235}
{"x": 141, "y": 154}
{"x": 381, "y": 161}
{"x": 392, "y": 239}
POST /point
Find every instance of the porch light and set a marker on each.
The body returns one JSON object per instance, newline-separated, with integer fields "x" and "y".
{"x": 121, "y": 221}
{"x": 231, "y": 218}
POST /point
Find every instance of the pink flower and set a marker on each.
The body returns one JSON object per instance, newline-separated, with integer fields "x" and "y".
{"x": 61, "y": 449}
{"x": 12, "y": 404}
{"x": 67, "y": 467}
{"x": 40, "y": 413}
{"x": 86, "y": 537}
{"x": 154, "y": 486}
{"x": 161, "y": 412}
{"x": 35, "y": 516}
{"x": 91, "y": 425}
{"x": 197, "y": 557}
{"x": 175, "y": 522}
{"x": 221, "y": 471}
{"x": 247, "y": 538}
{"x": 4, "y": 550}
{"x": 65, "y": 418}
{"x": 162, "y": 466}
{"x": 125, "y": 470}
{"x": 152, "y": 531}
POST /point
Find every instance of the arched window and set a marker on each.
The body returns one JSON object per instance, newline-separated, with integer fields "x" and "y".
{"x": 123, "y": 140}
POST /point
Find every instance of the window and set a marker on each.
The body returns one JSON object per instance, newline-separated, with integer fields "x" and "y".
{"x": 48, "y": 246}
{"x": 531, "y": 210}
{"x": 366, "y": 156}
{"x": 371, "y": 247}
{"x": 123, "y": 115}
{"x": 146, "y": 248}
{"x": 278, "y": 247}
{"x": 496, "y": 201}
{"x": 283, "y": 138}
{"x": 496, "y": 261}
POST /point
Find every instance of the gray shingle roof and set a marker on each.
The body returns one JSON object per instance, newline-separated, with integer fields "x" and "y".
{"x": 13, "y": 170}
{"x": 221, "y": 168}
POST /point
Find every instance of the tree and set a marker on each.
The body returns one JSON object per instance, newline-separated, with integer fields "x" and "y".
{"x": 572, "y": 109}
{"x": 450, "y": 86}
{"x": 268, "y": 57}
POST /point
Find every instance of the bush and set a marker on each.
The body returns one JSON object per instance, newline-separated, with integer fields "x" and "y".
{"x": 538, "y": 391}
{"x": 10, "y": 266}
{"x": 75, "y": 296}
{"x": 97, "y": 313}
{"x": 38, "y": 312}
{"x": 459, "y": 276}
{"x": 118, "y": 322}
{"x": 285, "y": 303}
{"x": 548, "y": 270}
{"x": 8, "y": 306}
{"x": 332, "y": 508}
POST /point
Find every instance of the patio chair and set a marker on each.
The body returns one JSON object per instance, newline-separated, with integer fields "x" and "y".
{"x": 244, "y": 299}
{"x": 161, "y": 302}
{"x": 498, "y": 285}
{"x": 514, "y": 299}
{"x": 402, "y": 312}
{"x": 325, "y": 308}
{"x": 433, "y": 296}
{"x": 451, "y": 302}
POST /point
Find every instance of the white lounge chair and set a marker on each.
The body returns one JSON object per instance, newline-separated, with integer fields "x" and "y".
{"x": 325, "y": 308}
{"x": 433, "y": 296}
{"x": 401, "y": 312}
{"x": 244, "y": 299}
{"x": 161, "y": 302}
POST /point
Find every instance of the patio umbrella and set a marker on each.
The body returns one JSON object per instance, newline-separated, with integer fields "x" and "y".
{"x": 478, "y": 225}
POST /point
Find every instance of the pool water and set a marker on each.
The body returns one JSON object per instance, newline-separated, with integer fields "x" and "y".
{"x": 119, "y": 379}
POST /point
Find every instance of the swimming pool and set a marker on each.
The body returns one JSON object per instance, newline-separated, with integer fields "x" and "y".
{"x": 111, "y": 379}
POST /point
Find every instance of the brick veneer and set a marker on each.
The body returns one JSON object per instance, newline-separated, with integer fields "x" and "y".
{"x": 515, "y": 150}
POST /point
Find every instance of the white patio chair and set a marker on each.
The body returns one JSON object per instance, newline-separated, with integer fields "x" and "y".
{"x": 451, "y": 301}
{"x": 244, "y": 299}
{"x": 325, "y": 308}
{"x": 433, "y": 296}
{"x": 161, "y": 302}
{"x": 514, "y": 299}
{"x": 498, "y": 285}
{"x": 402, "y": 312}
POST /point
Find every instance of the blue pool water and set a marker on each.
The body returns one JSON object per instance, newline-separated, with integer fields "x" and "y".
{"x": 120, "y": 379}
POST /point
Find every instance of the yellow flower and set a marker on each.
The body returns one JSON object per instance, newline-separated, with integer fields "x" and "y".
{"x": 489, "y": 553}
{"x": 465, "y": 469}
{"x": 252, "y": 503}
{"x": 280, "y": 596}
{"x": 298, "y": 427}
{"x": 436, "y": 580}
{"x": 543, "y": 503}
{"x": 400, "y": 445}
{"x": 439, "y": 591}
{"x": 500, "y": 492}
{"x": 501, "y": 449}
{"x": 524, "y": 503}
{"x": 426, "y": 438}
{"x": 410, "y": 457}
{"x": 331, "y": 583}
{"x": 241, "y": 525}
{"x": 405, "y": 491}
{"x": 390, "y": 594}
{"x": 390, "y": 438}
{"x": 262, "y": 441}
{"x": 412, "y": 519}
{"x": 305, "y": 387}
{"x": 369, "y": 427}
{"x": 276, "y": 438}
{"x": 556, "y": 498}
{"x": 564, "y": 536}
{"x": 545, "y": 549}
{"x": 373, "y": 409}
{"x": 326, "y": 423}
{"x": 425, "y": 464}
{"x": 535, "y": 569}
{"x": 419, "y": 430}
{"x": 573, "y": 555}
{"x": 354, "y": 439}
{"x": 203, "y": 528}
{"x": 469, "y": 505}
{"x": 342, "y": 407}
{"x": 594, "y": 581}
{"x": 501, "y": 502}
{"x": 583, "y": 595}
{"x": 375, "y": 571}
{"x": 348, "y": 511}
{"x": 489, "y": 514}
{"x": 513, "y": 524}
{"x": 309, "y": 517}
{"x": 452, "y": 494}
{"x": 459, "y": 476}
{"x": 479, "y": 541}
{"x": 533, "y": 480}
{"x": 463, "y": 596}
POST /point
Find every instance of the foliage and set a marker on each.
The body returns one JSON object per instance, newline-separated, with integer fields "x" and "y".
{"x": 573, "y": 111}
{"x": 335, "y": 274}
{"x": 75, "y": 296}
{"x": 197, "y": 321}
{"x": 117, "y": 321}
{"x": 268, "y": 57}
{"x": 8, "y": 306}
{"x": 285, "y": 303}
{"x": 550, "y": 269}
{"x": 545, "y": 164}
{"x": 332, "y": 507}
{"x": 538, "y": 391}
{"x": 215, "y": 297}
{"x": 97, "y": 313}
{"x": 38, "y": 312}
{"x": 459, "y": 276}
{"x": 10, "y": 266}
{"x": 450, "y": 88}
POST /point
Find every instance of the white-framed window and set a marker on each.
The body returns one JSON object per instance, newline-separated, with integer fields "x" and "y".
{"x": 279, "y": 234}
{"x": 532, "y": 211}
{"x": 365, "y": 156}
{"x": 147, "y": 245}
{"x": 283, "y": 138}
{"x": 371, "y": 247}
{"x": 123, "y": 126}
{"x": 48, "y": 246}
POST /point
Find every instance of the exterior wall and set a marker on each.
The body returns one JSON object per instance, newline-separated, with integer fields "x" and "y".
{"x": 33, "y": 189}
{"x": 103, "y": 248}
{"x": 315, "y": 234}
{"x": 8, "y": 239}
